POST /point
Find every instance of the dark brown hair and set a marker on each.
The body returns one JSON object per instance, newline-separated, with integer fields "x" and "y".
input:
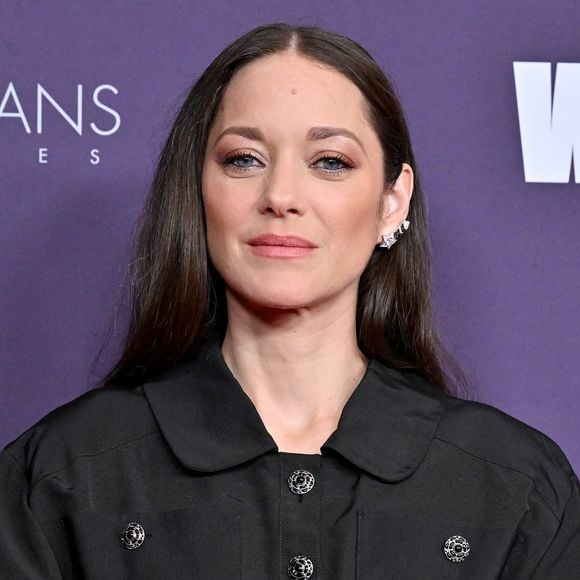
{"x": 177, "y": 297}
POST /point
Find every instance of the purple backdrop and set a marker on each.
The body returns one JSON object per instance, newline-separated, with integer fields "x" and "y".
{"x": 506, "y": 251}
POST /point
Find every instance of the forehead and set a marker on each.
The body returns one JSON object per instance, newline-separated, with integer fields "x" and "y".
{"x": 295, "y": 91}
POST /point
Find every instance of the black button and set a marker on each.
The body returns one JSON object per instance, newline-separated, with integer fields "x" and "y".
{"x": 133, "y": 536}
{"x": 301, "y": 481}
{"x": 300, "y": 567}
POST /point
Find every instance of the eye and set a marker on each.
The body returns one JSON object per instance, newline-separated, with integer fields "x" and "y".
{"x": 337, "y": 164}
{"x": 240, "y": 161}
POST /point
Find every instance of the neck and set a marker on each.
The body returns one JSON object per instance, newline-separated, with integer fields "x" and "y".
{"x": 299, "y": 367}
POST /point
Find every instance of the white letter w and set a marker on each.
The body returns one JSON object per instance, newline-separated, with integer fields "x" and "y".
{"x": 550, "y": 132}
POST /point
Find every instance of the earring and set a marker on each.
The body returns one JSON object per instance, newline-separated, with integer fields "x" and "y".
{"x": 389, "y": 240}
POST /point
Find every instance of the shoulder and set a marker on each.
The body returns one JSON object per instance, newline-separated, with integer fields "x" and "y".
{"x": 487, "y": 434}
{"x": 95, "y": 422}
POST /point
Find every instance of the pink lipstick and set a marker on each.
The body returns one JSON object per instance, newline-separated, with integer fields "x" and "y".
{"x": 274, "y": 246}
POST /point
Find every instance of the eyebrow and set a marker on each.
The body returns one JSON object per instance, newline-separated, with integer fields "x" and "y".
{"x": 314, "y": 134}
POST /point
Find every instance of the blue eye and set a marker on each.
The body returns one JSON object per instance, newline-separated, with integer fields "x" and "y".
{"x": 336, "y": 159}
{"x": 229, "y": 160}
{"x": 337, "y": 164}
{"x": 329, "y": 160}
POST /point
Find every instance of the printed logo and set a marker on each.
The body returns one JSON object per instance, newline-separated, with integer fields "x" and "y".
{"x": 549, "y": 120}
{"x": 10, "y": 100}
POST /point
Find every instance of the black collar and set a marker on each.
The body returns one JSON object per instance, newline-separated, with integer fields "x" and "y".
{"x": 210, "y": 423}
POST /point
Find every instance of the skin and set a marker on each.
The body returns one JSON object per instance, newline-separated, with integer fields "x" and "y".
{"x": 291, "y": 336}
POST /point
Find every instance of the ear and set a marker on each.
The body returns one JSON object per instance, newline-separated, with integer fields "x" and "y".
{"x": 396, "y": 202}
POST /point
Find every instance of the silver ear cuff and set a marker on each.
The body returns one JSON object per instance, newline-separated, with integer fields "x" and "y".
{"x": 389, "y": 240}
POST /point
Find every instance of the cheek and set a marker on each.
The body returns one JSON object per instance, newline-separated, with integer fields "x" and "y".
{"x": 355, "y": 227}
{"x": 223, "y": 212}
{"x": 226, "y": 226}
{"x": 216, "y": 220}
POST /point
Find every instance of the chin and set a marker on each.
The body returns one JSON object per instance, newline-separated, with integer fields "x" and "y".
{"x": 277, "y": 297}
{"x": 282, "y": 302}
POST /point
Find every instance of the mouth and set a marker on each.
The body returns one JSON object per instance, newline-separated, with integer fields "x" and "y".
{"x": 274, "y": 246}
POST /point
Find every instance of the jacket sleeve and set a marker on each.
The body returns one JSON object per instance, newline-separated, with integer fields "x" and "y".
{"x": 24, "y": 550}
{"x": 562, "y": 558}
{"x": 546, "y": 543}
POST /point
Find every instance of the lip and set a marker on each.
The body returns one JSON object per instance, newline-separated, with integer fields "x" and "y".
{"x": 274, "y": 246}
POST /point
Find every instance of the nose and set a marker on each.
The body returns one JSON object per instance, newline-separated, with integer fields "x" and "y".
{"x": 283, "y": 189}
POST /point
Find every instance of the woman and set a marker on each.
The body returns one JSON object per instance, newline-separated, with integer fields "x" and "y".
{"x": 283, "y": 407}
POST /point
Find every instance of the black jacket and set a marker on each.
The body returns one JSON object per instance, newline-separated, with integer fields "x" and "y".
{"x": 178, "y": 478}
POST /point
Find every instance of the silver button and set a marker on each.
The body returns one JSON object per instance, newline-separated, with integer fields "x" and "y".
{"x": 301, "y": 481}
{"x": 456, "y": 548}
{"x": 133, "y": 536}
{"x": 300, "y": 567}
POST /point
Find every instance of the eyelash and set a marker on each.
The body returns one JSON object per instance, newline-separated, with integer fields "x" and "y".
{"x": 348, "y": 166}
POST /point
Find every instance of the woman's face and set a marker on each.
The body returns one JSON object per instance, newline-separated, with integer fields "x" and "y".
{"x": 274, "y": 166}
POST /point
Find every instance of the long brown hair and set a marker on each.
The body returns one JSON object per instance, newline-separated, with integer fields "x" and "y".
{"x": 177, "y": 298}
